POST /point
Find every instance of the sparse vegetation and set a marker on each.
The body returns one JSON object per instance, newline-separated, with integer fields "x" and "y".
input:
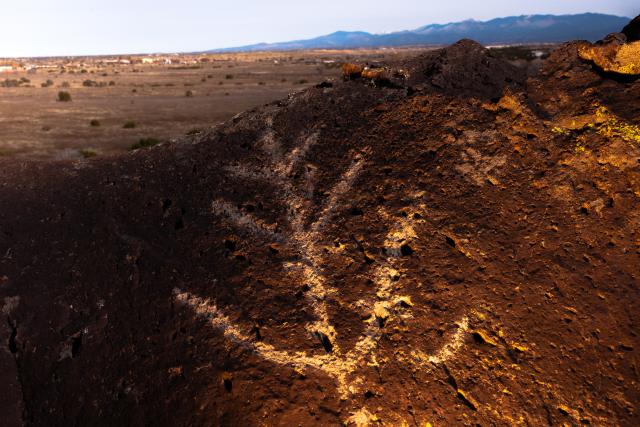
{"x": 15, "y": 83}
{"x": 64, "y": 96}
{"x": 87, "y": 153}
{"x": 48, "y": 83}
{"x": 144, "y": 143}
{"x": 129, "y": 124}
{"x": 187, "y": 67}
{"x": 93, "y": 83}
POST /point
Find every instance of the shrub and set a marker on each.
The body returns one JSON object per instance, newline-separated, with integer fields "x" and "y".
{"x": 89, "y": 83}
{"x": 188, "y": 94}
{"x": 65, "y": 84}
{"x": 112, "y": 83}
{"x": 64, "y": 96}
{"x": 302, "y": 81}
{"x": 144, "y": 143}
{"x": 95, "y": 123}
{"x": 129, "y": 124}
{"x": 87, "y": 154}
{"x": 229, "y": 76}
{"x": 48, "y": 83}
{"x": 10, "y": 83}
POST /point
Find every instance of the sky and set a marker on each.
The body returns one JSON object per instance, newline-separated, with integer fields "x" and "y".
{"x": 93, "y": 27}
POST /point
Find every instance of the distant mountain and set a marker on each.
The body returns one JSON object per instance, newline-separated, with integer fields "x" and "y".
{"x": 510, "y": 30}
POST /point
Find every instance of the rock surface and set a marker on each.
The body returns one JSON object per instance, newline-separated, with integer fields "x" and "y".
{"x": 460, "y": 248}
{"x": 632, "y": 30}
{"x": 618, "y": 53}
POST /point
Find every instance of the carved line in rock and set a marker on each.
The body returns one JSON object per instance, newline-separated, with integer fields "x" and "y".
{"x": 339, "y": 365}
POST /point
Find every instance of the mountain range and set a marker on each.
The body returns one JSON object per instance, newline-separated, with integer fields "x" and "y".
{"x": 525, "y": 29}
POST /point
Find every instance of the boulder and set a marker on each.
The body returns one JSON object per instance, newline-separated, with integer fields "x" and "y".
{"x": 613, "y": 55}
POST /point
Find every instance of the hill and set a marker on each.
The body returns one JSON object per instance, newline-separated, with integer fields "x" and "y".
{"x": 528, "y": 29}
{"x": 456, "y": 244}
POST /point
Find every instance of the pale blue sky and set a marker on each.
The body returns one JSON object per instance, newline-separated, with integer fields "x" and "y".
{"x": 72, "y": 27}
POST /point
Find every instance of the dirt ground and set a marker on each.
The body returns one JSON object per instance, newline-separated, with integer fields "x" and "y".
{"x": 34, "y": 124}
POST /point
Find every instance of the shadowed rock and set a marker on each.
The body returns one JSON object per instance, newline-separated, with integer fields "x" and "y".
{"x": 632, "y": 30}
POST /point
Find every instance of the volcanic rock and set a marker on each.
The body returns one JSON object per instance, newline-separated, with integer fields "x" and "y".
{"x": 465, "y": 69}
{"x": 614, "y": 56}
{"x": 632, "y": 30}
{"x": 482, "y": 174}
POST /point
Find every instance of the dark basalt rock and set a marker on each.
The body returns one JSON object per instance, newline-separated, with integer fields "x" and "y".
{"x": 465, "y": 69}
{"x": 632, "y": 30}
{"x": 178, "y": 286}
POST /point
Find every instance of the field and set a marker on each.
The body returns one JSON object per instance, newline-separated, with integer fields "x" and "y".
{"x": 116, "y": 103}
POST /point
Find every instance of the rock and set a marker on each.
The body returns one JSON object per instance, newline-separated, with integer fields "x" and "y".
{"x": 632, "y": 30}
{"x": 612, "y": 55}
{"x": 352, "y": 71}
{"x": 465, "y": 69}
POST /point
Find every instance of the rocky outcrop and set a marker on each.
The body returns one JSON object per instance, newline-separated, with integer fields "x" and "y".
{"x": 632, "y": 30}
{"x": 465, "y": 69}
{"x": 460, "y": 248}
{"x": 618, "y": 53}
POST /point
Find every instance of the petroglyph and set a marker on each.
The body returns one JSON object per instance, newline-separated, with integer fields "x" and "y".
{"x": 304, "y": 235}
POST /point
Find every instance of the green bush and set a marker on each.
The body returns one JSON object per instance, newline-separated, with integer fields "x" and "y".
{"x": 129, "y": 124}
{"x": 64, "y": 96}
{"x": 144, "y": 143}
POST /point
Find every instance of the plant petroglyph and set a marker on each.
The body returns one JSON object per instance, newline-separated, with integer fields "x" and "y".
{"x": 304, "y": 234}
